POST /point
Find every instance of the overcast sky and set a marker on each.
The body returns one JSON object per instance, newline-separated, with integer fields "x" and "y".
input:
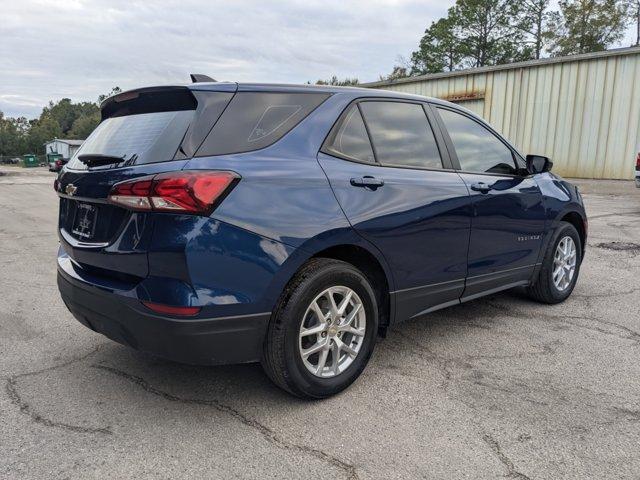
{"x": 52, "y": 49}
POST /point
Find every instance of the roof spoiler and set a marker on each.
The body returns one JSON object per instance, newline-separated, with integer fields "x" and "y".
{"x": 199, "y": 78}
{"x": 148, "y": 100}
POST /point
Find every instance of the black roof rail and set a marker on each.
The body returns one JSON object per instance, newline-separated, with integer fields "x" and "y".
{"x": 199, "y": 78}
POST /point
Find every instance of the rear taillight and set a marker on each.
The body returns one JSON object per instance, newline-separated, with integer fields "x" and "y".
{"x": 196, "y": 192}
{"x": 58, "y": 163}
{"x": 638, "y": 161}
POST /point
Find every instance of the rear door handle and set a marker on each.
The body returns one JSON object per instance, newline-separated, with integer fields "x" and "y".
{"x": 481, "y": 187}
{"x": 367, "y": 181}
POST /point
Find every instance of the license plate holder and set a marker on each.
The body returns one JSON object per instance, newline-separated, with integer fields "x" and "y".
{"x": 84, "y": 222}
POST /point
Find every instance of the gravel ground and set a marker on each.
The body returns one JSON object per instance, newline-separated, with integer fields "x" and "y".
{"x": 500, "y": 387}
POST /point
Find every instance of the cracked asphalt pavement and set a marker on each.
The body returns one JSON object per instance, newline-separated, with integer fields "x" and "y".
{"x": 500, "y": 387}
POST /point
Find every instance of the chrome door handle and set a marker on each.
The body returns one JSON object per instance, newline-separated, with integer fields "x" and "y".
{"x": 367, "y": 181}
{"x": 481, "y": 187}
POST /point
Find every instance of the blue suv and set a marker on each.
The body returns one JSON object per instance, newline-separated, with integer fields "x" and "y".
{"x": 222, "y": 223}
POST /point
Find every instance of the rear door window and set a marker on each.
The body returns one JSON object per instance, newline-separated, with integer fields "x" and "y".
{"x": 350, "y": 139}
{"x": 138, "y": 139}
{"x": 401, "y": 134}
{"x": 255, "y": 120}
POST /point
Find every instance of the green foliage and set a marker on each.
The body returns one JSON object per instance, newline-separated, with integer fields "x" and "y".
{"x": 533, "y": 20}
{"x": 64, "y": 112}
{"x": 84, "y": 125}
{"x": 11, "y": 142}
{"x": 397, "y": 72}
{"x": 40, "y": 132}
{"x": 440, "y": 48}
{"x": 335, "y": 81}
{"x": 62, "y": 119}
{"x": 476, "y": 33}
{"x": 583, "y": 26}
{"x": 488, "y": 33}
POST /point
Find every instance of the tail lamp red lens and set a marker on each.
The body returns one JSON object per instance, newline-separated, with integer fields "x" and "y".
{"x": 171, "y": 310}
{"x": 638, "y": 161}
{"x": 195, "y": 192}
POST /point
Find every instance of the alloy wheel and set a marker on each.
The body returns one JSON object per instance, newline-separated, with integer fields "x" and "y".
{"x": 564, "y": 263}
{"x": 332, "y": 331}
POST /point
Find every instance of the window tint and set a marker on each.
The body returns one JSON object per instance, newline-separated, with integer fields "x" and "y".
{"x": 143, "y": 138}
{"x": 401, "y": 134}
{"x": 477, "y": 148}
{"x": 255, "y": 120}
{"x": 350, "y": 139}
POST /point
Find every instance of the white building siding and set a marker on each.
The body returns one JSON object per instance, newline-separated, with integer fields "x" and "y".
{"x": 56, "y": 146}
{"x": 583, "y": 112}
{"x": 66, "y": 148}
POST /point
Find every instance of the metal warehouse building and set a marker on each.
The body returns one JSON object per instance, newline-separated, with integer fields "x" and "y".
{"x": 581, "y": 111}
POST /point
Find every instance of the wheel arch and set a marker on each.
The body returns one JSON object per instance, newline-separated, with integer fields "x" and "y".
{"x": 576, "y": 216}
{"x": 368, "y": 264}
{"x": 579, "y": 222}
{"x": 350, "y": 248}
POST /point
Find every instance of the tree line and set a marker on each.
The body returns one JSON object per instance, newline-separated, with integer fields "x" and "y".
{"x": 62, "y": 119}
{"x": 474, "y": 33}
{"x": 478, "y": 33}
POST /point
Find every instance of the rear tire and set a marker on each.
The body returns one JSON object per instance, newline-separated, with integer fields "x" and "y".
{"x": 549, "y": 287}
{"x": 344, "y": 342}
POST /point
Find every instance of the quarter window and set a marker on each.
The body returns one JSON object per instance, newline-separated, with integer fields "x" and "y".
{"x": 350, "y": 139}
{"x": 255, "y": 120}
{"x": 401, "y": 134}
{"x": 478, "y": 149}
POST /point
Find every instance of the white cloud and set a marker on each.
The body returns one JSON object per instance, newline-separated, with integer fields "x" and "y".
{"x": 81, "y": 48}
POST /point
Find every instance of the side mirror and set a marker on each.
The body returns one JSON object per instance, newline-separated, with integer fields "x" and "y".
{"x": 538, "y": 164}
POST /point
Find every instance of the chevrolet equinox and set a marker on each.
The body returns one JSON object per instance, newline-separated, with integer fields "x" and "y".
{"x": 223, "y": 223}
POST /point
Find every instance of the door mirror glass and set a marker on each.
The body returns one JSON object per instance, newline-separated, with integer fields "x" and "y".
{"x": 538, "y": 164}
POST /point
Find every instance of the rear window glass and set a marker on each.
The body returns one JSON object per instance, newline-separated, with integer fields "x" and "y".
{"x": 138, "y": 139}
{"x": 255, "y": 120}
{"x": 350, "y": 139}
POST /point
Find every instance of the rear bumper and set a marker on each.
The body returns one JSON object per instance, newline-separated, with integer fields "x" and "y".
{"x": 210, "y": 341}
{"x": 637, "y": 179}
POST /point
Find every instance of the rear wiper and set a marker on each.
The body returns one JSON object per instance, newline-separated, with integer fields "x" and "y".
{"x": 96, "y": 159}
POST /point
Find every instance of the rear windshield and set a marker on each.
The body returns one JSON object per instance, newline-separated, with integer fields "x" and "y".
{"x": 255, "y": 120}
{"x": 138, "y": 139}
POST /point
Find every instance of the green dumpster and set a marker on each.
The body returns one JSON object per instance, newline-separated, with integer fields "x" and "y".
{"x": 29, "y": 160}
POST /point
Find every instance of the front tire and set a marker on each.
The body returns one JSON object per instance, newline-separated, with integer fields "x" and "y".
{"x": 323, "y": 330}
{"x": 560, "y": 267}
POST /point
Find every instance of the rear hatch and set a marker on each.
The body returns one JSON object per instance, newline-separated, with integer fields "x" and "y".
{"x": 143, "y": 132}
